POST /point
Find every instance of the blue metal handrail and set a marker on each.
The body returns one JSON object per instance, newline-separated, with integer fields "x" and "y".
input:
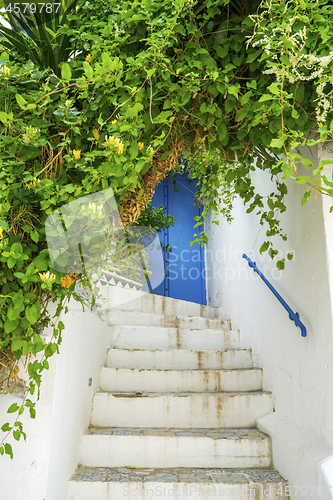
{"x": 292, "y": 316}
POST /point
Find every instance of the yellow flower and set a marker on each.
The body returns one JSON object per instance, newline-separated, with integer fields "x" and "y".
{"x": 67, "y": 280}
{"x": 46, "y": 277}
{"x": 77, "y": 154}
{"x": 112, "y": 141}
{"x": 1, "y": 231}
{"x": 88, "y": 57}
{"x": 92, "y": 206}
{"x": 120, "y": 149}
{"x": 6, "y": 71}
{"x": 95, "y": 134}
{"x": 114, "y": 122}
{"x": 141, "y": 146}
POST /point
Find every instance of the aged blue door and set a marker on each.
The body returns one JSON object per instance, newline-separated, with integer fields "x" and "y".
{"x": 185, "y": 265}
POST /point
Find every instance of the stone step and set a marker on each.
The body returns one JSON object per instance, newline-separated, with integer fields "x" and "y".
{"x": 176, "y": 359}
{"x": 170, "y": 381}
{"x": 148, "y": 447}
{"x": 194, "y": 483}
{"x": 134, "y": 300}
{"x": 152, "y": 337}
{"x": 190, "y": 410}
{"x": 114, "y": 316}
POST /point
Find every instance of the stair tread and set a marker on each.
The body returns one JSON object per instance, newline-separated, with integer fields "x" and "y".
{"x": 178, "y": 474}
{"x": 252, "y": 368}
{"x": 183, "y": 394}
{"x": 227, "y": 433}
{"x": 180, "y": 328}
{"x": 180, "y": 350}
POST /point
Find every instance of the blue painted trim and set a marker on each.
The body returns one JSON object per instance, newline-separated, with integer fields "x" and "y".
{"x": 166, "y": 239}
{"x": 292, "y": 316}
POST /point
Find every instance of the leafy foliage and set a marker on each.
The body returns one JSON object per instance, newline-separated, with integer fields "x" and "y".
{"x": 90, "y": 100}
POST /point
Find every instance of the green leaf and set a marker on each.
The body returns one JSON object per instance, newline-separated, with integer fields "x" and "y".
{"x": 302, "y": 179}
{"x": 66, "y": 72}
{"x": 163, "y": 117}
{"x": 6, "y": 427}
{"x": 265, "y": 246}
{"x": 252, "y": 84}
{"x": 288, "y": 171}
{"x": 165, "y": 155}
{"x": 265, "y": 97}
{"x": 280, "y": 264}
{"x": 246, "y": 97}
{"x": 311, "y": 142}
{"x": 88, "y": 70}
{"x": 17, "y": 434}
{"x": 9, "y": 450}
{"x": 135, "y": 110}
{"x": 241, "y": 114}
{"x": 290, "y": 256}
{"x": 252, "y": 57}
{"x": 13, "y": 313}
{"x": 305, "y": 197}
{"x": 34, "y": 236}
{"x": 21, "y": 101}
{"x": 11, "y": 262}
{"x": 13, "y": 408}
{"x": 274, "y": 88}
{"x": 285, "y": 60}
{"x": 276, "y": 143}
{"x": 234, "y": 89}
{"x": 307, "y": 163}
{"x": 4, "y": 117}
{"x": 9, "y": 326}
{"x": 4, "y": 56}
{"x": 17, "y": 344}
{"x": 31, "y": 313}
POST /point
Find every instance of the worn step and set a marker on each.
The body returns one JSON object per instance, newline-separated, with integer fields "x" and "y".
{"x": 134, "y": 300}
{"x": 151, "y": 337}
{"x": 174, "y": 359}
{"x": 152, "y": 447}
{"x": 190, "y": 410}
{"x": 114, "y": 316}
{"x": 179, "y": 482}
{"x": 138, "y": 380}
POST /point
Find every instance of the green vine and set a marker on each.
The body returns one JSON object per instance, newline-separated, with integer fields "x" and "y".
{"x": 91, "y": 100}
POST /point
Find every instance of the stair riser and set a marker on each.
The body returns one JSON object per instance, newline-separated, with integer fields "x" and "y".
{"x": 178, "y": 359}
{"x": 179, "y": 411}
{"x": 130, "y": 337}
{"x": 131, "y": 300}
{"x": 125, "y": 380}
{"x": 167, "y": 451}
{"x": 137, "y": 318}
{"x": 158, "y": 490}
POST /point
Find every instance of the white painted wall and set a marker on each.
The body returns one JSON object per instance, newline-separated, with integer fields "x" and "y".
{"x": 43, "y": 465}
{"x": 299, "y": 371}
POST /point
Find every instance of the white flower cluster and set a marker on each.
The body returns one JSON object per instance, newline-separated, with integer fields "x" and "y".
{"x": 118, "y": 31}
{"x": 324, "y": 104}
{"x": 190, "y": 3}
{"x": 303, "y": 67}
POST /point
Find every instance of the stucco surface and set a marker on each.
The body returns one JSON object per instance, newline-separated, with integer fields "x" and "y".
{"x": 299, "y": 371}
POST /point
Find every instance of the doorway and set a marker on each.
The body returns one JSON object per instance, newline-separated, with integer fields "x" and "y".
{"x": 185, "y": 266}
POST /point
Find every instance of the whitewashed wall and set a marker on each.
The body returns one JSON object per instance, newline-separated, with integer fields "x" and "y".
{"x": 43, "y": 464}
{"x": 299, "y": 371}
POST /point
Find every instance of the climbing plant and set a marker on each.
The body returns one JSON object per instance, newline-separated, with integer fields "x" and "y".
{"x": 229, "y": 86}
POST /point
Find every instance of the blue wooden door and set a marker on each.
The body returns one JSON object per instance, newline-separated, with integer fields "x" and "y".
{"x": 185, "y": 265}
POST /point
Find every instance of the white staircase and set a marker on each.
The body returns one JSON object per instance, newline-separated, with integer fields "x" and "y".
{"x": 176, "y": 412}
